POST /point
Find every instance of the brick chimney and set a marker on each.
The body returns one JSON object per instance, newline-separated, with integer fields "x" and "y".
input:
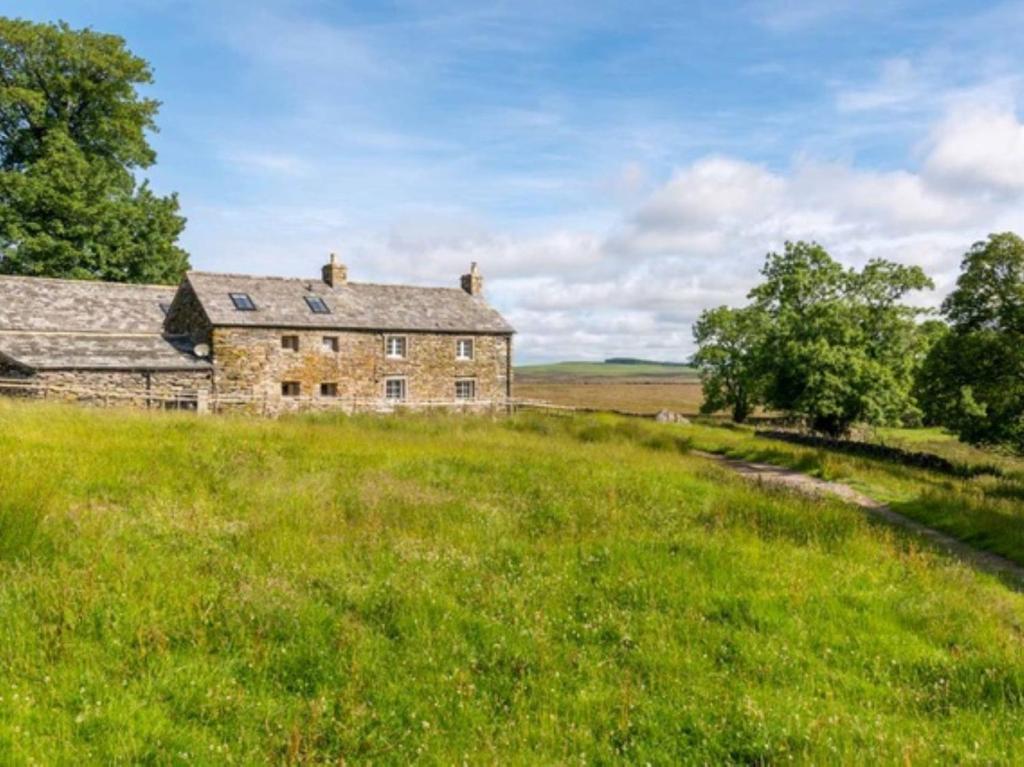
{"x": 473, "y": 283}
{"x": 335, "y": 274}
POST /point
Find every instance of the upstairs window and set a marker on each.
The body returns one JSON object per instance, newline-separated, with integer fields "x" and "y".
{"x": 465, "y": 389}
{"x": 328, "y": 390}
{"x": 290, "y": 389}
{"x": 464, "y": 349}
{"x": 317, "y": 305}
{"x": 394, "y": 389}
{"x": 291, "y": 343}
{"x": 331, "y": 344}
{"x": 242, "y": 302}
{"x": 395, "y": 347}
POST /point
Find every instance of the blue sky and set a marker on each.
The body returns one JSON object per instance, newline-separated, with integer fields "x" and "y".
{"x": 615, "y": 167}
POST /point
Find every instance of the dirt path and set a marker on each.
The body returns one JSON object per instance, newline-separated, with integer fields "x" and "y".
{"x": 777, "y": 475}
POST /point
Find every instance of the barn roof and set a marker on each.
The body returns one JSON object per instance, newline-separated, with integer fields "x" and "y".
{"x": 44, "y": 304}
{"x": 96, "y": 351}
{"x": 281, "y": 302}
{"x": 59, "y": 324}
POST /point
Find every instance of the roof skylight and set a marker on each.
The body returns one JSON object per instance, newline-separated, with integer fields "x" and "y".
{"x": 242, "y": 302}
{"x": 317, "y": 305}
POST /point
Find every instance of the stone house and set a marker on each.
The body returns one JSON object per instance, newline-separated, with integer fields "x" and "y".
{"x": 257, "y": 343}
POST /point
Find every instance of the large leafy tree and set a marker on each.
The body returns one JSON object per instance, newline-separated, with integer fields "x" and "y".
{"x": 841, "y": 347}
{"x": 72, "y": 138}
{"x": 973, "y": 378}
{"x": 729, "y": 343}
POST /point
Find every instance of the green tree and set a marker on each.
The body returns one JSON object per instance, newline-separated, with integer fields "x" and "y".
{"x": 72, "y": 137}
{"x": 973, "y": 379}
{"x": 729, "y": 342}
{"x": 840, "y": 347}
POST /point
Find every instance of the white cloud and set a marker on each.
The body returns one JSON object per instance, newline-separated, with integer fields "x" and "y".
{"x": 979, "y": 148}
{"x": 712, "y": 192}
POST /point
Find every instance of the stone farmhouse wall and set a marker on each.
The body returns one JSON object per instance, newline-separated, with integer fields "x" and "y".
{"x": 116, "y": 387}
{"x": 252, "y": 362}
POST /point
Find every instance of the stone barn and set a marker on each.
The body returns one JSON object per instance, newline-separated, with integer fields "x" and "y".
{"x": 248, "y": 342}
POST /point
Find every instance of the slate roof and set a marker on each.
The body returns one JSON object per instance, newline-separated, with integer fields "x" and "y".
{"x": 44, "y": 304}
{"x": 59, "y": 351}
{"x": 68, "y": 324}
{"x": 280, "y": 302}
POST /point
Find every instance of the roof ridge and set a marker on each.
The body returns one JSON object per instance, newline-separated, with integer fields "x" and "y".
{"x": 68, "y": 280}
{"x": 317, "y": 280}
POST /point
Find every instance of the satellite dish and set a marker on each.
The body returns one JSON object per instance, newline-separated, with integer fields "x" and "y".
{"x": 202, "y": 350}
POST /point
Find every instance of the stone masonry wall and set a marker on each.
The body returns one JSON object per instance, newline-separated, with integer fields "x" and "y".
{"x": 186, "y": 316}
{"x": 120, "y": 387}
{"x": 252, "y": 362}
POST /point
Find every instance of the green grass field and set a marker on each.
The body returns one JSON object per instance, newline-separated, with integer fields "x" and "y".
{"x": 986, "y": 511}
{"x": 602, "y": 370}
{"x": 460, "y": 590}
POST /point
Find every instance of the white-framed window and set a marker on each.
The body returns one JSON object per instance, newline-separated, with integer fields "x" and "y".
{"x": 328, "y": 389}
{"x": 465, "y": 389}
{"x": 464, "y": 349}
{"x": 330, "y": 344}
{"x": 394, "y": 389}
{"x": 291, "y": 343}
{"x": 290, "y": 389}
{"x": 395, "y": 347}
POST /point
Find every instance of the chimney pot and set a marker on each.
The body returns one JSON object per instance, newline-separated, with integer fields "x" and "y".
{"x": 335, "y": 274}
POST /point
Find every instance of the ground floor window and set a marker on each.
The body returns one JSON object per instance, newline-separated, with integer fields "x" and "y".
{"x": 290, "y": 389}
{"x": 394, "y": 389}
{"x": 328, "y": 390}
{"x": 465, "y": 389}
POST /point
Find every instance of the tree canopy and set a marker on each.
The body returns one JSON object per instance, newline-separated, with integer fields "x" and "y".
{"x": 973, "y": 379}
{"x": 832, "y": 345}
{"x": 73, "y": 134}
{"x": 729, "y": 342}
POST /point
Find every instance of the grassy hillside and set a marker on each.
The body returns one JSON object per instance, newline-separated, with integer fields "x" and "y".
{"x": 986, "y": 511}
{"x": 599, "y": 370}
{"x": 438, "y": 589}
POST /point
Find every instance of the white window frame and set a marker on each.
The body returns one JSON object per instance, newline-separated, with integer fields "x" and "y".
{"x": 458, "y": 349}
{"x": 401, "y": 380}
{"x": 404, "y": 345}
{"x": 330, "y": 344}
{"x": 472, "y": 389}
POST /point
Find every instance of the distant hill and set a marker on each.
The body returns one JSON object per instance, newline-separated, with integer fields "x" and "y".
{"x": 635, "y": 361}
{"x": 613, "y": 368}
